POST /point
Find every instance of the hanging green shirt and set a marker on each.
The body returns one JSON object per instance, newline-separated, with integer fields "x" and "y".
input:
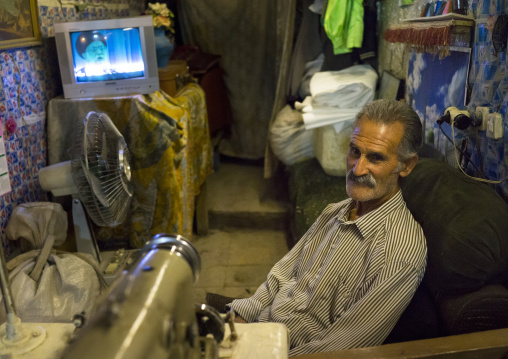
{"x": 343, "y": 23}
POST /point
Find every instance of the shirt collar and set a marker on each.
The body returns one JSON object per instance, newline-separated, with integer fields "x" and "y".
{"x": 369, "y": 223}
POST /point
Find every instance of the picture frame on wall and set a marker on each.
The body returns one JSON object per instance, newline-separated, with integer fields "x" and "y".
{"x": 19, "y": 25}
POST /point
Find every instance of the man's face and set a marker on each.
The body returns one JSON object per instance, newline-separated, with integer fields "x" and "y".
{"x": 372, "y": 163}
{"x": 95, "y": 53}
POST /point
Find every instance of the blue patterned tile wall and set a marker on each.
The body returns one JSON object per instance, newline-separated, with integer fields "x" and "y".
{"x": 49, "y": 14}
{"x": 488, "y": 79}
{"x": 23, "y": 100}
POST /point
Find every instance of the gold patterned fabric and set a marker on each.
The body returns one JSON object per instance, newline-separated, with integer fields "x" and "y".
{"x": 171, "y": 153}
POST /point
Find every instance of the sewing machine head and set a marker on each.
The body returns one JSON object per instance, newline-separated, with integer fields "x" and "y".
{"x": 149, "y": 313}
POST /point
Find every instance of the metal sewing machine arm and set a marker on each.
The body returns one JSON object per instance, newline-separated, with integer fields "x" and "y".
{"x": 149, "y": 311}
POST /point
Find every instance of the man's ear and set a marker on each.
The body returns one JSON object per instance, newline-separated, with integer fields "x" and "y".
{"x": 408, "y": 165}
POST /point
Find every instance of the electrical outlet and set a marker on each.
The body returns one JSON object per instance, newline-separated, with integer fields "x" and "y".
{"x": 495, "y": 126}
{"x": 482, "y": 114}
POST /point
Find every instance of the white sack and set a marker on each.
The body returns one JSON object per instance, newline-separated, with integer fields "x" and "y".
{"x": 31, "y": 223}
{"x": 69, "y": 284}
{"x": 46, "y": 285}
{"x": 289, "y": 140}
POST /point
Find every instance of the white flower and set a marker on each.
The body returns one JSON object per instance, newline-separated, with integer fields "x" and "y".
{"x": 162, "y": 16}
{"x": 159, "y": 9}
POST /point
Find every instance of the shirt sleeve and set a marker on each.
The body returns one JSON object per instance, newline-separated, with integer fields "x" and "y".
{"x": 369, "y": 321}
{"x": 282, "y": 273}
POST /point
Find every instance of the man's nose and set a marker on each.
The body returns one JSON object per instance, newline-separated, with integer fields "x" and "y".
{"x": 360, "y": 166}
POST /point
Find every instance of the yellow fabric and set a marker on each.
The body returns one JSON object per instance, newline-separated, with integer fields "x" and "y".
{"x": 171, "y": 154}
{"x": 181, "y": 170}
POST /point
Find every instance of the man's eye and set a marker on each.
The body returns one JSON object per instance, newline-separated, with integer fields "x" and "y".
{"x": 376, "y": 158}
{"x": 354, "y": 151}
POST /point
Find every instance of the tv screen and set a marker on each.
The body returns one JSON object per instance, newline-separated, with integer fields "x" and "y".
{"x": 107, "y": 57}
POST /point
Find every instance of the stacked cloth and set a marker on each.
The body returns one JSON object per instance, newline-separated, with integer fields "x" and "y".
{"x": 337, "y": 96}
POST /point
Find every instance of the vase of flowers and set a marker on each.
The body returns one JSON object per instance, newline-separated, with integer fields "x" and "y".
{"x": 163, "y": 31}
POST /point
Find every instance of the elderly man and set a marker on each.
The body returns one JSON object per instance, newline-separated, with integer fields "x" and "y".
{"x": 93, "y": 48}
{"x": 350, "y": 277}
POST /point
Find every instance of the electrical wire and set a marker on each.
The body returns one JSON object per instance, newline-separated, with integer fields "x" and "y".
{"x": 477, "y": 139}
{"x": 461, "y": 151}
{"x": 457, "y": 160}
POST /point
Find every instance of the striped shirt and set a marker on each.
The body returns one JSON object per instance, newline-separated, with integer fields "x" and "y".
{"x": 345, "y": 283}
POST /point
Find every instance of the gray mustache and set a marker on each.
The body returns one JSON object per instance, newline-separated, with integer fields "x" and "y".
{"x": 365, "y": 180}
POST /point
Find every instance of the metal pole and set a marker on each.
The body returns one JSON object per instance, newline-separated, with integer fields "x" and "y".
{"x": 13, "y": 328}
{"x": 4, "y": 285}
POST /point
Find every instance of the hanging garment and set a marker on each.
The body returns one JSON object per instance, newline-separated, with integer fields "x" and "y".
{"x": 343, "y": 23}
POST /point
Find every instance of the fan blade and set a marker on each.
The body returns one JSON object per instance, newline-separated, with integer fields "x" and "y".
{"x": 104, "y": 151}
{"x": 96, "y": 185}
{"x": 101, "y": 170}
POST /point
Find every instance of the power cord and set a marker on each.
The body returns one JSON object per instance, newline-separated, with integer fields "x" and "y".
{"x": 452, "y": 122}
{"x": 462, "y": 152}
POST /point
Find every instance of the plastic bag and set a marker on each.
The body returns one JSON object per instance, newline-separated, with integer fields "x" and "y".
{"x": 68, "y": 284}
{"x": 31, "y": 223}
{"x": 290, "y": 141}
{"x": 48, "y": 285}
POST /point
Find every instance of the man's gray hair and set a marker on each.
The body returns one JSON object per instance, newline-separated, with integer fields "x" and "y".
{"x": 388, "y": 112}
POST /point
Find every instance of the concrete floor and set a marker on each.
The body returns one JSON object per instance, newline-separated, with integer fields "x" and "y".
{"x": 247, "y": 236}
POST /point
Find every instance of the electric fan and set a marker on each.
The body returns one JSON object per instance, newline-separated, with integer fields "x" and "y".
{"x": 98, "y": 177}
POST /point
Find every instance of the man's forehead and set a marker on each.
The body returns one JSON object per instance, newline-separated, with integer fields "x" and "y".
{"x": 95, "y": 44}
{"x": 376, "y": 136}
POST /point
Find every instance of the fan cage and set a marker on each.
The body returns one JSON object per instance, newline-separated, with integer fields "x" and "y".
{"x": 95, "y": 154}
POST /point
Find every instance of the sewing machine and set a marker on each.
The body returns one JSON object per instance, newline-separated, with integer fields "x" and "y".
{"x": 148, "y": 313}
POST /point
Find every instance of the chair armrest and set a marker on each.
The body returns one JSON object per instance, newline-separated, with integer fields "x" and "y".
{"x": 484, "y": 309}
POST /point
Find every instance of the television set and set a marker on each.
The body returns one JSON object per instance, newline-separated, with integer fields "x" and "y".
{"x": 111, "y": 57}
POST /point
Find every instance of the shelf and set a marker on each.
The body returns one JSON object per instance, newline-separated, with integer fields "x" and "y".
{"x": 433, "y": 34}
{"x": 446, "y": 17}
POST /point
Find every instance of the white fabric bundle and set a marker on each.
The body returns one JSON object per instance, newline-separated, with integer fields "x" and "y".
{"x": 354, "y": 86}
{"x": 337, "y": 96}
{"x": 315, "y": 115}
